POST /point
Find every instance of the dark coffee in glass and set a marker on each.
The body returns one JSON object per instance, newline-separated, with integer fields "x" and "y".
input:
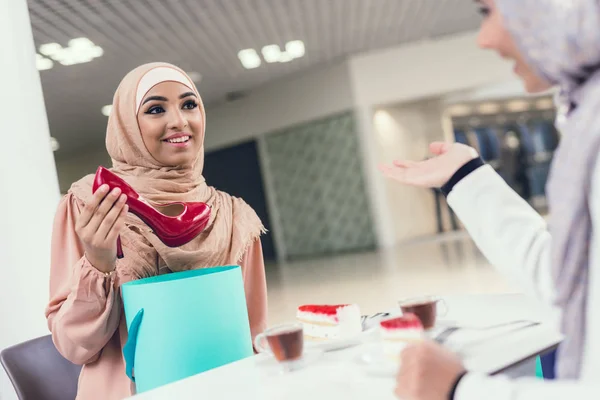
{"x": 425, "y": 308}
{"x": 286, "y": 345}
{"x": 286, "y": 342}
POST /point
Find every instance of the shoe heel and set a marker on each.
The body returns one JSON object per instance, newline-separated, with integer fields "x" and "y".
{"x": 119, "y": 248}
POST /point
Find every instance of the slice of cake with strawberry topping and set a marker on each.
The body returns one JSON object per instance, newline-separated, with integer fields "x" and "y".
{"x": 325, "y": 322}
{"x": 398, "y": 332}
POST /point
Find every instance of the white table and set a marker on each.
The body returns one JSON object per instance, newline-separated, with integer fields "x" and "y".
{"x": 338, "y": 375}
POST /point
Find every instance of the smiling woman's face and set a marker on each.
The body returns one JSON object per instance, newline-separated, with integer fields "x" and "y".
{"x": 171, "y": 123}
{"x": 494, "y": 35}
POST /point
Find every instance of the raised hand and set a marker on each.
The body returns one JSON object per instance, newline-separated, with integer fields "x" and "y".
{"x": 434, "y": 172}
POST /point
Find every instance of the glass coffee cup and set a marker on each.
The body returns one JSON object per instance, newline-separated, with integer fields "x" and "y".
{"x": 285, "y": 342}
{"x": 425, "y": 308}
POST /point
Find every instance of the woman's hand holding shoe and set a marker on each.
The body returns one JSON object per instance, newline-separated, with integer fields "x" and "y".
{"x": 99, "y": 225}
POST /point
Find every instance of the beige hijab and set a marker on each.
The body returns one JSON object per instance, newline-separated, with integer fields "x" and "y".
{"x": 233, "y": 224}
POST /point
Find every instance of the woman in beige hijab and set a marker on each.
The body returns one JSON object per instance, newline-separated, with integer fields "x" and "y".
{"x": 155, "y": 138}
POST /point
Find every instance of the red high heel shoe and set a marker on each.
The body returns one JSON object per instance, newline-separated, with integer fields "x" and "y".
{"x": 174, "y": 231}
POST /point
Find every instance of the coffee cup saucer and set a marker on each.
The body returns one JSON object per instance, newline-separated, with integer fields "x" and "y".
{"x": 374, "y": 361}
{"x": 309, "y": 357}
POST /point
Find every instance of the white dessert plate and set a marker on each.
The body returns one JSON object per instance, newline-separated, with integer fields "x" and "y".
{"x": 340, "y": 344}
{"x": 374, "y": 361}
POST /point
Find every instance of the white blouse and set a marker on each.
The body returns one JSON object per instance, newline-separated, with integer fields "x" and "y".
{"x": 515, "y": 239}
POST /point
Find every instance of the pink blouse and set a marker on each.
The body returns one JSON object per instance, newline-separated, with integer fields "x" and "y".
{"x": 85, "y": 312}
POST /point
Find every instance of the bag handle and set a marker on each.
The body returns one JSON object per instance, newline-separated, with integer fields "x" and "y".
{"x": 130, "y": 346}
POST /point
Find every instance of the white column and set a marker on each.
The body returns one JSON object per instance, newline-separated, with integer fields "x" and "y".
{"x": 29, "y": 185}
{"x": 380, "y": 207}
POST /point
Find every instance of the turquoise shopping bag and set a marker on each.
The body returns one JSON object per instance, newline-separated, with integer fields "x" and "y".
{"x": 184, "y": 323}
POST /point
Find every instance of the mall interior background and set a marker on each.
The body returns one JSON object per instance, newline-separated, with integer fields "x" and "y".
{"x": 298, "y": 138}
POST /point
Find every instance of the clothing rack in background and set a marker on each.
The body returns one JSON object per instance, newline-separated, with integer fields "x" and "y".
{"x": 518, "y": 142}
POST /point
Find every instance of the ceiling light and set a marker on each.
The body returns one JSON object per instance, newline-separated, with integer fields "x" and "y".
{"x": 459, "y": 110}
{"x": 106, "y": 110}
{"x": 386, "y": 127}
{"x": 295, "y": 48}
{"x": 42, "y": 63}
{"x": 249, "y": 58}
{"x": 544, "y": 104}
{"x": 271, "y": 53}
{"x": 81, "y": 43}
{"x": 382, "y": 117}
{"x": 54, "y": 144}
{"x": 50, "y": 49}
{"x": 195, "y": 76}
{"x": 285, "y": 57}
{"x": 80, "y": 50}
{"x": 517, "y": 105}
{"x": 489, "y": 108}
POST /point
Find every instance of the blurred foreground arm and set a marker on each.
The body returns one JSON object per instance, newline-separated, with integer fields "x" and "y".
{"x": 429, "y": 371}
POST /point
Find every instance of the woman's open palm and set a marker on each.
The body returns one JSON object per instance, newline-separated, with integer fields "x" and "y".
{"x": 434, "y": 172}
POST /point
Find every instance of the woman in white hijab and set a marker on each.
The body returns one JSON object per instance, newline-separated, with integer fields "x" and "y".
{"x": 552, "y": 43}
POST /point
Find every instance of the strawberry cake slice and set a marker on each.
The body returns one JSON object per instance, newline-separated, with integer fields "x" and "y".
{"x": 325, "y": 322}
{"x": 398, "y": 332}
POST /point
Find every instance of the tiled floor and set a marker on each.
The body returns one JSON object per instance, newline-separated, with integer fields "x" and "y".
{"x": 377, "y": 280}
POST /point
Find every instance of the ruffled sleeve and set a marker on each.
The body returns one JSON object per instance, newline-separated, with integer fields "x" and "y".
{"x": 85, "y": 307}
